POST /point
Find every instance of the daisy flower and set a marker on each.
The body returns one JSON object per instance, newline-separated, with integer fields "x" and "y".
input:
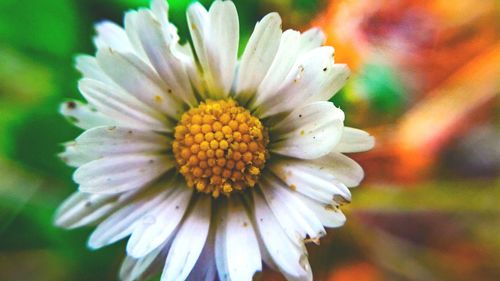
{"x": 209, "y": 164}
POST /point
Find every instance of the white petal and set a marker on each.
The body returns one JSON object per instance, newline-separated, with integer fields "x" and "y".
{"x": 297, "y": 220}
{"x": 341, "y": 167}
{"x": 264, "y": 254}
{"x": 337, "y": 165}
{"x": 111, "y": 35}
{"x": 88, "y": 67}
{"x": 102, "y": 141}
{"x": 121, "y": 223}
{"x": 221, "y": 39}
{"x": 205, "y": 269}
{"x": 160, "y": 10}
{"x": 159, "y": 52}
{"x": 123, "y": 108}
{"x": 83, "y": 115}
{"x": 198, "y": 27}
{"x": 82, "y": 209}
{"x": 139, "y": 80}
{"x": 258, "y": 56}
{"x": 355, "y": 140}
{"x": 312, "y": 38}
{"x": 292, "y": 46}
{"x": 74, "y": 157}
{"x": 188, "y": 242}
{"x": 185, "y": 54}
{"x": 112, "y": 140}
{"x": 130, "y": 23}
{"x": 310, "y": 180}
{"x": 137, "y": 269}
{"x": 121, "y": 173}
{"x": 329, "y": 215}
{"x": 222, "y": 43}
{"x": 234, "y": 227}
{"x": 288, "y": 257}
{"x": 197, "y": 18}
{"x": 155, "y": 228}
{"x": 314, "y": 77}
{"x": 285, "y": 58}
{"x": 308, "y": 132}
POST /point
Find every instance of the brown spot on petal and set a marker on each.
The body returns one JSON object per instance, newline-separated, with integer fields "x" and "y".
{"x": 71, "y": 104}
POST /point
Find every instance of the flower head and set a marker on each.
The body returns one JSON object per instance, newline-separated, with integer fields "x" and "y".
{"x": 210, "y": 164}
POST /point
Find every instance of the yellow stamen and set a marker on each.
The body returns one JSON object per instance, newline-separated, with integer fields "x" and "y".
{"x": 220, "y": 147}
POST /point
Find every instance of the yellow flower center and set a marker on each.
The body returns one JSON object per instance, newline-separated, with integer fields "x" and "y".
{"x": 220, "y": 147}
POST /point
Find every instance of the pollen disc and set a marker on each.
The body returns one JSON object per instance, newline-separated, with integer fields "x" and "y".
{"x": 220, "y": 147}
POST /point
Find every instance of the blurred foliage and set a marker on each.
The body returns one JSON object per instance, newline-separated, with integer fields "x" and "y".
{"x": 42, "y": 26}
{"x": 433, "y": 196}
{"x": 38, "y": 41}
{"x": 383, "y": 89}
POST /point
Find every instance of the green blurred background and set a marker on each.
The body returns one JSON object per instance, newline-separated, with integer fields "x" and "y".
{"x": 426, "y": 83}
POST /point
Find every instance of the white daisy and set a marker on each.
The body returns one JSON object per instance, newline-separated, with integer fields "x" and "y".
{"x": 209, "y": 164}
